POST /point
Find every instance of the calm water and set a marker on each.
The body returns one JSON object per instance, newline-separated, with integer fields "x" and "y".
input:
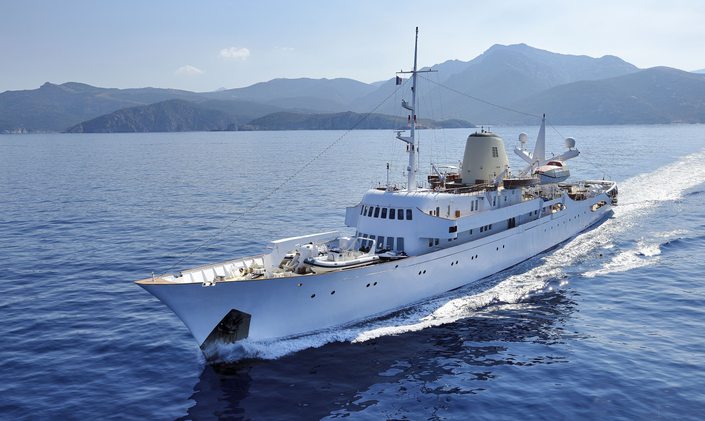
{"x": 609, "y": 326}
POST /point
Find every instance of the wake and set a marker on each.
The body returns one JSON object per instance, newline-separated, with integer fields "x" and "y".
{"x": 640, "y": 196}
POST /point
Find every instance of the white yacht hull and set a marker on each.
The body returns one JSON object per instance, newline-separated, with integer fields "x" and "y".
{"x": 290, "y": 306}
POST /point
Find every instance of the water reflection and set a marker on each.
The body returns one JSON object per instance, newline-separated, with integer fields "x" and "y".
{"x": 417, "y": 371}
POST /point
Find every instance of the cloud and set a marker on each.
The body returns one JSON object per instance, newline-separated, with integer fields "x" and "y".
{"x": 188, "y": 70}
{"x": 235, "y": 53}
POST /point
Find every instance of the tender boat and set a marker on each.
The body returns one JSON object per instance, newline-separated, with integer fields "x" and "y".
{"x": 410, "y": 244}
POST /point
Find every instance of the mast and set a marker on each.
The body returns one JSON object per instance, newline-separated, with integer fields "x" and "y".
{"x": 411, "y": 139}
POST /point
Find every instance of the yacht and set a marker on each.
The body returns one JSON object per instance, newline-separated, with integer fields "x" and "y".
{"x": 410, "y": 243}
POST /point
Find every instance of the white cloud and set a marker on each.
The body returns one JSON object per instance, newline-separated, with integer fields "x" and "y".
{"x": 235, "y": 53}
{"x": 188, "y": 70}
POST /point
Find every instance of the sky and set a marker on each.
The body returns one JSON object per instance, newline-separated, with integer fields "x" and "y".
{"x": 207, "y": 45}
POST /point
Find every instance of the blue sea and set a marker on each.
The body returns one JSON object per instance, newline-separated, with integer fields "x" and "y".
{"x": 609, "y": 325}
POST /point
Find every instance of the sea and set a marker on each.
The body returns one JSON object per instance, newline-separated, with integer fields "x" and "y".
{"x": 608, "y": 325}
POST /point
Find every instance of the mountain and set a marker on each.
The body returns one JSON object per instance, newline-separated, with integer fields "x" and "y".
{"x": 174, "y": 115}
{"x": 178, "y": 115}
{"x": 341, "y": 121}
{"x": 656, "y": 95}
{"x": 698, "y": 71}
{"x": 304, "y": 94}
{"x": 55, "y": 107}
{"x": 579, "y": 89}
{"x": 502, "y": 75}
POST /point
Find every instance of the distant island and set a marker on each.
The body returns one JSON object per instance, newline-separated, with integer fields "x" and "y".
{"x": 570, "y": 89}
{"x": 178, "y": 115}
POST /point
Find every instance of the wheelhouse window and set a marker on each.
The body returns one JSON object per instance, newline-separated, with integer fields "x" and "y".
{"x": 384, "y": 213}
{"x": 400, "y": 214}
{"x": 392, "y": 213}
{"x": 377, "y": 212}
{"x": 409, "y": 215}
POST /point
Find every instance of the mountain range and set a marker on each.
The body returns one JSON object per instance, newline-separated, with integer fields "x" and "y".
{"x": 507, "y": 84}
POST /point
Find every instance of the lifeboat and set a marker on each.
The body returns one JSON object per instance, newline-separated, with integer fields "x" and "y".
{"x": 553, "y": 172}
{"x": 351, "y": 253}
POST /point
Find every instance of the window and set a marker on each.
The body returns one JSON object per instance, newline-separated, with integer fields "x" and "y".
{"x": 495, "y": 152}
{"x": 392, "y": 213}
{"x": 437, "y": 241}
{"x": 380, "y": 242}
{"x": 400, "y": 214}
{"x": 430, "y": 242}
{"x": 377, "y": 212}
{"x": 400, "y": 243}
{"x": 390, "y": 243}
{"x": 362, "y": 210}
{"x": 408, "y": 215}
{"x": 438, "y": 211}
{"x": 384, "y": 213}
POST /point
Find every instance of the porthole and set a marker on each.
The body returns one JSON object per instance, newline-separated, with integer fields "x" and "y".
{"x": 368, "y": 285}
{"x": 375, "y": 284}
{"x": 332, "y": 292}
{"x": 313, "y": 295}
{"x": 419, "y": 272}
{"x": 452, "y": 263}
{"x": 424, "y": 271}
{"x": 299, "y": 284}
{"x": 456, "y": 262}
{"x": 396, "y": 266}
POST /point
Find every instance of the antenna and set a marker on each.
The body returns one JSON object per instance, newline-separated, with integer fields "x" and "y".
{"x": 411, "y": 140}
{"x": 387, "y": 175}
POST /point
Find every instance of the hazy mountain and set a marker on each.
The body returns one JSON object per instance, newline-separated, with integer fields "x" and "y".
{"x": 502, "y": 75}
{"x": 580, "y": 89}
{"x": 178, "y": 115}
{"x": 698, "y": 71}
{"x": 174, "y": 115}
{"x": 304, "y": 93}
{"x": 656, "y": 95}
{"x": 341, "y": 121}
{"x": 55, "y": 107}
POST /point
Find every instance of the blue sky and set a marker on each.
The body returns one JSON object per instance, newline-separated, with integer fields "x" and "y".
{"x": 206, "y": 45}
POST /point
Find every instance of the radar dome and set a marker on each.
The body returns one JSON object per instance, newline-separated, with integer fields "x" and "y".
{"x": 569, "y": 142}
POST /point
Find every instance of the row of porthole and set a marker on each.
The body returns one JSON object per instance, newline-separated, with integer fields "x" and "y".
{"x": 374, "y": 284}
